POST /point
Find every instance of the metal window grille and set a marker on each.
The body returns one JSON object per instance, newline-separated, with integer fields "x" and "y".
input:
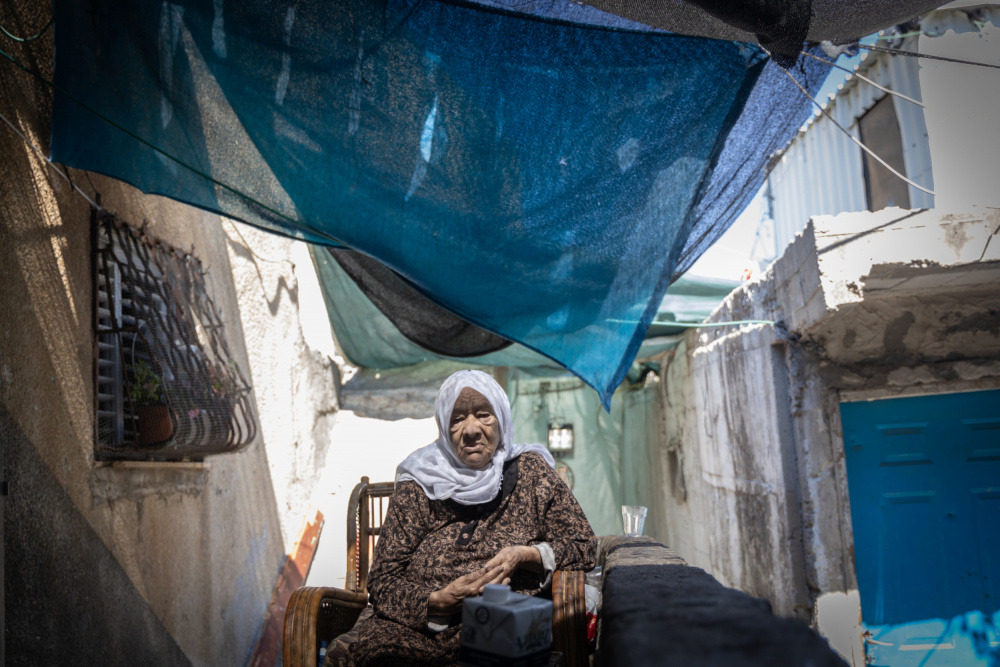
{"x": 166, "y": 386}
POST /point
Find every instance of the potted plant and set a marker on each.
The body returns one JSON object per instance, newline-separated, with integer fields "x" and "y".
{"x": 153, "y": 422}
{"x": 223, "y": 390}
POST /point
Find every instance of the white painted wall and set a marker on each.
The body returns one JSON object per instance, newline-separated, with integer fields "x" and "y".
{"x": 294, "y": 378}
{"x": 359, "y": 447}
{"x": 950, "y": 146}
{"x": 963, "y": 105}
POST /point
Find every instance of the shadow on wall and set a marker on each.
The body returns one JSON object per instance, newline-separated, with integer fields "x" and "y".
{"x": 52, "y": 553}
{"x": 69, "y": 598}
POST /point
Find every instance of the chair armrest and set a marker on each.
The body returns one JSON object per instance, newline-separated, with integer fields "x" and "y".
{"x": 316, "y": 614}
{"x": 569, "y": 617}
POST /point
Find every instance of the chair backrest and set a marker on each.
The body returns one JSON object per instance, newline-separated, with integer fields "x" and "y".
{"x": 365, "y": 513}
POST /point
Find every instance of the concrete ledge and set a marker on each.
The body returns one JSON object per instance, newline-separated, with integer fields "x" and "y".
{"x": 657, "y": 610}
{"x": 136, "y": 480}
{"x": 616, "y": 551}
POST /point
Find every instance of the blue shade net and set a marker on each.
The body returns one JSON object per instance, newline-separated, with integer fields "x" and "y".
{"x": 535, "y": 176}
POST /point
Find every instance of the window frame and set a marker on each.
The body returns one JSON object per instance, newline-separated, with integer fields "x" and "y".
{"x": 166, "y": 387}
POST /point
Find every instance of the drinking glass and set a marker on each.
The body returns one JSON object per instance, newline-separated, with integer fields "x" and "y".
{"x": 633, "y": 516}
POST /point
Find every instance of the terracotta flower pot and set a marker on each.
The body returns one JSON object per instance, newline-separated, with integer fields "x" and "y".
{"x": 154, "y": 424}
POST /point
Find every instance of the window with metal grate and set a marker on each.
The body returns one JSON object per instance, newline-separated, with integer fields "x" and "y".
{"x": 167, "y": 387}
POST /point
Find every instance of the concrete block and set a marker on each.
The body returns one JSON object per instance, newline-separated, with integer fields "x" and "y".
{"x": 875, "y": 283}
{"x": 904, "y": 377}
{"x": 982, "y": 273}
{"x": 929, "y": 281}
{"x": 135, "y": 481}
{"x": 969, "y": 371}
{"x": 838, "y": 617}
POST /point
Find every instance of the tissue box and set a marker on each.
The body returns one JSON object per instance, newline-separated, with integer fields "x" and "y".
{"x": 506, "y": 629}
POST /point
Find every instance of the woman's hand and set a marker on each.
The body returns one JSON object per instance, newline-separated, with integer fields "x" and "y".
{"x": 509, "y": 559}
{"x": 448, "y": 600}
{"x": 498, "y": 570}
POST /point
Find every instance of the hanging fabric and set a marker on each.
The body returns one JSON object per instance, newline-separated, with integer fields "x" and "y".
{"x": 415, "y": 316}
{"x": 537, "y": 178}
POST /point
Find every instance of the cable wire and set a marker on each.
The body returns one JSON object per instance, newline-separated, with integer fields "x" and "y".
{"x": 914, "y": 54}
{"x": 852, "y": 137}
{"x": 50, "y": 162}
{"x": 699, "y": 325}
{"x": 892, "y": 37}
{"x": 863, "y": 78}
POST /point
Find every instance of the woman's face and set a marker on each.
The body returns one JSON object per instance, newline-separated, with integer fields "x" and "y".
{"x": 474, "y": 429}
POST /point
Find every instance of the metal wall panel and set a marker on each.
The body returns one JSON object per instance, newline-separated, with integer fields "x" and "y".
{"x": 821, "y": 170}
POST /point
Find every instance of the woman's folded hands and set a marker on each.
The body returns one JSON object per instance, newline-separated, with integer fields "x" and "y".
{"x": 511, "y": 558}
{"x": 497, "y": 570}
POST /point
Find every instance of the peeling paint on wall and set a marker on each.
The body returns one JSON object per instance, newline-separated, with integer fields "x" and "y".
{"x": 869, "y": 306}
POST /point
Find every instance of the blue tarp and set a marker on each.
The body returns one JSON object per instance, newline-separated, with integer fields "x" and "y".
{"x": 535, "y": 176}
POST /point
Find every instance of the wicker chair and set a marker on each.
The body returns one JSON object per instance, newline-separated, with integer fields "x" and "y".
{"x": 315, "y": 614}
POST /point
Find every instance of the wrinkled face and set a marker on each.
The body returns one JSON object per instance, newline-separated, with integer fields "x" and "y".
{"x": 474, "y": 429}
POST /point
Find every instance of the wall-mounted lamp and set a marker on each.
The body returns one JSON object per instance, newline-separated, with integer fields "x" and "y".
{"x": 561, "y": 439}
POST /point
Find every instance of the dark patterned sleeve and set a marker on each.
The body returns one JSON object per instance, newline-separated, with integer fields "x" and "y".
{"x": 565, "y": 526}
{"x": 393, "y": 593}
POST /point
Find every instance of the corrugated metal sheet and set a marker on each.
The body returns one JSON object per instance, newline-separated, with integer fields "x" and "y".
{"x": 821, "y": 171}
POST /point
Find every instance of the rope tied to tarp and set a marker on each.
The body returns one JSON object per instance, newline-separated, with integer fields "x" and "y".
{"x": 50, "y": 162}
{"x": 28, "y": 39}
{"x": 854, "y": 139}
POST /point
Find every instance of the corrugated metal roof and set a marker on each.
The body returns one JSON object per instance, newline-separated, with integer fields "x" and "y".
{"x": 821, "y": 170}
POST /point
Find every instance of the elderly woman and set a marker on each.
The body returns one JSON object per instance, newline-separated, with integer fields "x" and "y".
{"x": 470, "y": 509}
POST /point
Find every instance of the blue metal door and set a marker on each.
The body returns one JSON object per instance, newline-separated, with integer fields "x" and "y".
{"x": 924, "y": 480}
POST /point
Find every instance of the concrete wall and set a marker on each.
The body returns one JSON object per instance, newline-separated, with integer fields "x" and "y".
{"x": 728, "y": 500}
{"x": 293, "y": 360}
{"x": 140, "y": 563}
{"x": 752, "y": 478}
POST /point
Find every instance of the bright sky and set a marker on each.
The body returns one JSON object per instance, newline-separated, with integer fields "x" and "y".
{"x": 730, "y": 255}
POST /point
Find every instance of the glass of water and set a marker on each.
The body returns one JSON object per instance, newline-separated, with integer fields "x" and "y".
{"x": 633, "y": 517}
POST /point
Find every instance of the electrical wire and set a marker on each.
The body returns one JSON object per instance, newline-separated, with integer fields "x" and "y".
{"x": 699, "y": 325}
{"x": 50, "y": 162}
{"x": 863, "y": 78}
{"x": 914, "y": 54}
{"x": 298, "y": 223}
{"x": 852, "y": 137}
{"x": 889, "y": 38}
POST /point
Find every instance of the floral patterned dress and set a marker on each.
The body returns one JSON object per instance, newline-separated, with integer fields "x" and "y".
{"x": 426, "y": 544}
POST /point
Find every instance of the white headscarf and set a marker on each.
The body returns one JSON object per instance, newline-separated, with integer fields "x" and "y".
{"x": 436, "y": 468}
